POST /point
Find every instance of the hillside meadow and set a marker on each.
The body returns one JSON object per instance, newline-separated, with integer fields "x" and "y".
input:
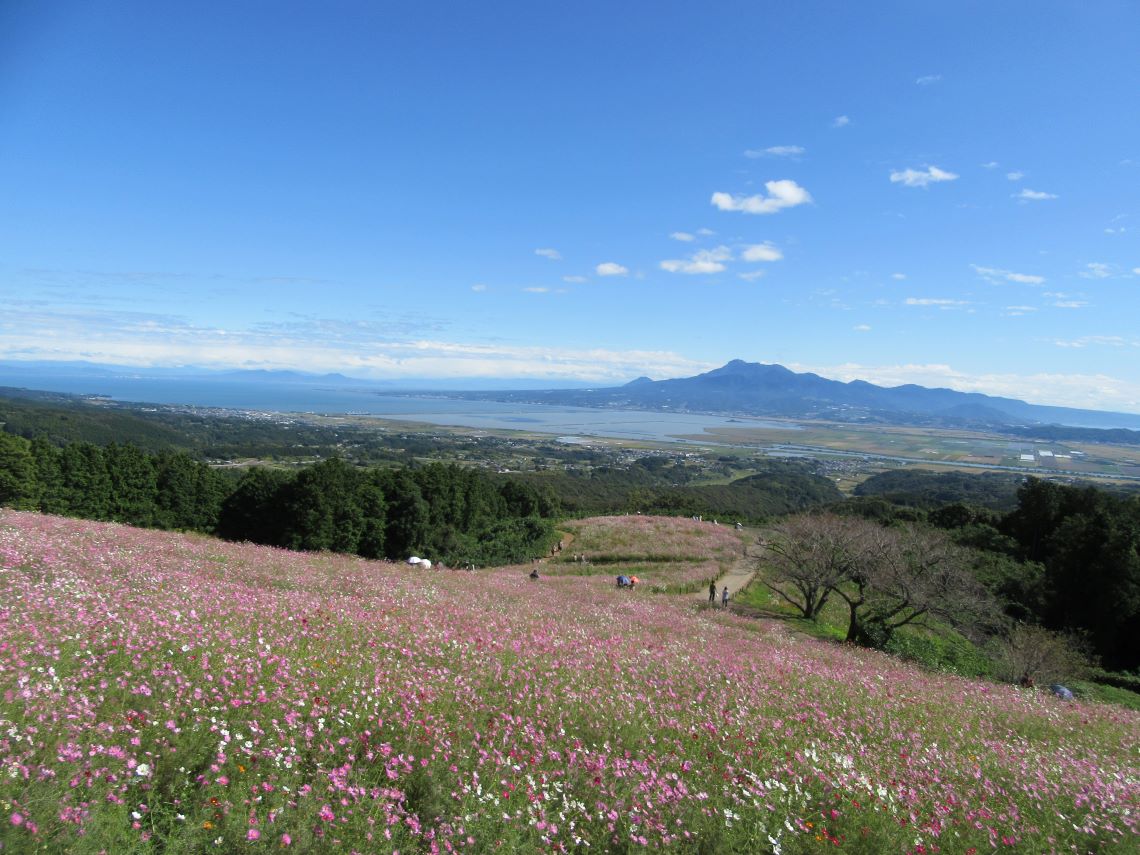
{"x": 174, "y": 693}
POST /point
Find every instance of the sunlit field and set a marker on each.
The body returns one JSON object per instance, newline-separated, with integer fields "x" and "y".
{"x": 172, "y": 693}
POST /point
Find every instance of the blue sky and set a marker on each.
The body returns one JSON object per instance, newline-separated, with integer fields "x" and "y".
{"x": 941, "y": 193}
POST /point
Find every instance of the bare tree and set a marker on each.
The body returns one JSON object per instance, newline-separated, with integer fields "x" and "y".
{"x": 902, "y": 575}
{"x": 810, "y": 556}
{"x": 887, "y": 577}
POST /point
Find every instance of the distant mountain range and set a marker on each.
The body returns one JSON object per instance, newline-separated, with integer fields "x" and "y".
{"x": 738, "y": 388}
{"x": 756, "y": 389}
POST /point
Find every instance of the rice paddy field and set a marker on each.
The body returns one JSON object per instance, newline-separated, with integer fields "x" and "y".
{"x": 171, "y": 693}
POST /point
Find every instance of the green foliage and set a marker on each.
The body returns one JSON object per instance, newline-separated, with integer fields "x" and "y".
{"x": 1089, "y": 544}
{"x": 449, "y": 513}
{"x": 652, "y": 486}
{"x": 18, "y": 487}
{"x": 922, "y": 488}
{"x": 945, "y": 651}
{"x": 1106, "y": 694}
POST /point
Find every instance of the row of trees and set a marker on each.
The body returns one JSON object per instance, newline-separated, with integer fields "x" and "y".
{"x": 117, "y": 482}
{"x": 450, "y": 513}
{"x": 455, "y": 514}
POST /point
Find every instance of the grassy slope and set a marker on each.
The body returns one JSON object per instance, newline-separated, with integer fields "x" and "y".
{"x": 179, "y": 694}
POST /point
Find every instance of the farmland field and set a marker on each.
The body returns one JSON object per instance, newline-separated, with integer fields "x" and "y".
{"x": 172, "y": 693}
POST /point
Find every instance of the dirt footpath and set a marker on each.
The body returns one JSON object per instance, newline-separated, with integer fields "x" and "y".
{"x": 739, "y": 575}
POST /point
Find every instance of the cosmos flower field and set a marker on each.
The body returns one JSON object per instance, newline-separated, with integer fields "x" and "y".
{"x": 162, "y": 692}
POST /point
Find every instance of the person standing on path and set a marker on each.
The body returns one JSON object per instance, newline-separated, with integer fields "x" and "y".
{"x": 712, "y": 592}
{"x": 724, "y": 598}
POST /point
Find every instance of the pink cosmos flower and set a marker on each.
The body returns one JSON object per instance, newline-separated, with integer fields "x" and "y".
{"x": 252, "y": 834}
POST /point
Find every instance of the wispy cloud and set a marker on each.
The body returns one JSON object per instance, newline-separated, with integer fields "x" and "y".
{"x": 357, "y": 348}
{"x": 574, "y": 280}
{"x": 537, "y": 289}
{"x": 928, "y": 79}
{"x": 1070, "y": 304}
{"x": 898, "y": 276}
{"x": 1098, "y": 341}
{"x": 751, "y": 275}
{"x": 1015, "y": 176}
{"x": 1015, "y": 311}
{"x": 611, "y": 268}
{"x": 861, "y": 328}
{"x": 935, "y": 301}
{"x": 781, "y": 194}
{"x": 1096, "y": 270}
{"x": 705, "y": 261}
{"x": 685, "y": 237}
{"x": 776, "y": 151}
{"x": 922, "y": 178}
{"x": 552, "y": 254}
{"x": 705, "y": 232}
{"x": 761, "y": 252}
{"x": 993, "y": 164}
{"x": 840, "y": 122}
{"x": 479, "y": 287}
{"x": 996, "y": 275}
{"x": 1027, "y": 195}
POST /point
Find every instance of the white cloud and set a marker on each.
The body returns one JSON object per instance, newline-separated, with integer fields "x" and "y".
{"x": 1027, "y": 195}
{"x": 841, "y": 122}
{"x": 899, "y": 276}
{"x": 761, "y": 252}
{"x": 705, "y": 232}
{"x": 611, "y": 268}
{"x": 993, "y": 164}
{"x": 861, "y": 328}
{"x": 995, "y": 275}
{"x": 776, "y": 151}
{"x": 781, "y": 194}
{"x": 1096, "y": 270}
{"x": 916, "y": 178}
{"x": 703, "y": 262}
{"x": 1086, "y": 391}
{"x": 1118, "y": 231}
{"x": 682, "y": 236}
{"x": 552, "y": 254}
{"x": 1136, "y": 270}
{"x": 1070, "y": 304}
{"x": 479, "y": 287}
{"x": 935, "y": 301}
{"x": 927, "y": 79}
{"x": 1015, "y": 176}
{"x": 751, "y": 275}
{"x": 1019, "y": 310}
{"x": 574, "y": 280}
{"x": 538, "y": 289}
